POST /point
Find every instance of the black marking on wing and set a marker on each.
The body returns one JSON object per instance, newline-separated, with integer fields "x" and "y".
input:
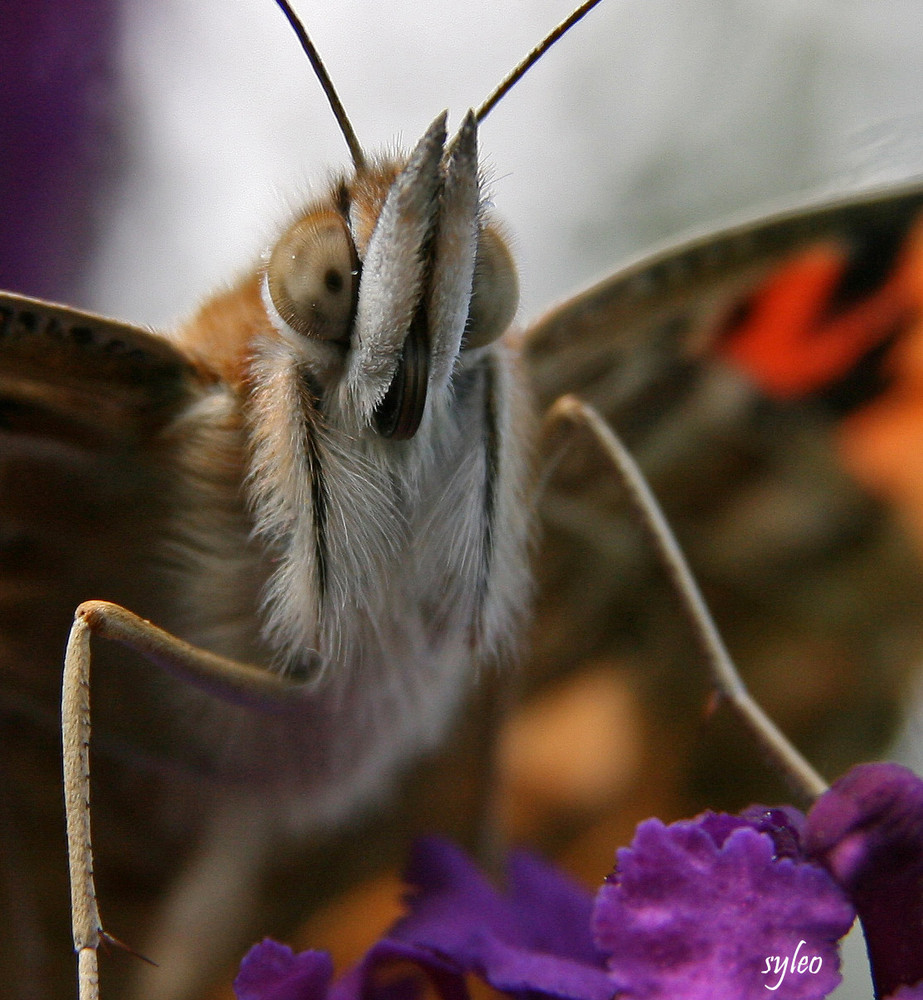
{"x": 868, "y": 379}
{"x": 82, "y": 378}
{"x": 873, "y": 255}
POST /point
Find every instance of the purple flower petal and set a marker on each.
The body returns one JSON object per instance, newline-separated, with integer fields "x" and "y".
{"x": 389, "y": 971}
{"x": 687, "y": 914}
{"x": 536, "y": 938}
{"x": 272, "y": 971}
{"x": 784, "y": 824}
{"x": 392, "y": 970}
{"x": 868, "y": 831}
{"x": 907, "y": 993}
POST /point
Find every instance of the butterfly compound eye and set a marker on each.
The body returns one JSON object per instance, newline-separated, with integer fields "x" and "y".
{"x": 313, "y": 277}
{"x": 495, "y": 295}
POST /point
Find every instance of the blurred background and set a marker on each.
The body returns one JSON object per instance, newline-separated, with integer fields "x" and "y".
{"x": 650, "y": 119}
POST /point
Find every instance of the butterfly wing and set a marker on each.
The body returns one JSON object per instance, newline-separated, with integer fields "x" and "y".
{"x": 84, "y": 492}
{"x": 754, "y": 373}
{"x": 82, "y": 403}
{"x": 72, "y": 375}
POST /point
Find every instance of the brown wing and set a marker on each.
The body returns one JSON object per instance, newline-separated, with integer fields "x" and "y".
{"x": 741, "y": 369}
{"x": 81, "y": 378}
{"x": 82, "y": 484}
{"x": 84, "y": 490}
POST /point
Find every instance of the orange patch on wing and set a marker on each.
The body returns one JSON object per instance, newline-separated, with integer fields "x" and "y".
{"x": 882, "y": 444}
{"x": 789, "y": 344}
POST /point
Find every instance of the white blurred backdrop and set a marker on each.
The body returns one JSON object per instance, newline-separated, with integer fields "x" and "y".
{"x": 652, "y": 116}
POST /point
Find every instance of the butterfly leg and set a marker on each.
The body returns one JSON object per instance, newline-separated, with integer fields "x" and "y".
{"x": 227, "y": 679}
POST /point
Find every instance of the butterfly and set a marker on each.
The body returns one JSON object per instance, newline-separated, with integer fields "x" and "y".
{"x": 670, "y": 353}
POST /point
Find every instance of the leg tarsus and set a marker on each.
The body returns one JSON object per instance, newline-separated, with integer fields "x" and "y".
{"x": 75, "y": 732}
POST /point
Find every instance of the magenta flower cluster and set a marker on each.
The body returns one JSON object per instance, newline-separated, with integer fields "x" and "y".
{"x": 719, "y": 907}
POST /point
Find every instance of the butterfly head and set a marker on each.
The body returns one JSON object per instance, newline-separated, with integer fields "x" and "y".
{"x": 383, "y": 285}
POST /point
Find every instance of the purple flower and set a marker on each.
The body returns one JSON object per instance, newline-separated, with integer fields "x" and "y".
{"x": 719, "y": 907}
{"x": 533, "y": 939}
{"x": 389, "y": 971}
{"x": 272, "y": 971}
{"x": 868, "y": 831}
{"x": 723, "y": 907}
{"x": 708, "y": 909}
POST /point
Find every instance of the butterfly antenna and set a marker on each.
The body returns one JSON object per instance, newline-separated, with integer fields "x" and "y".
{"x": 533, "y": 57}
{"x": 320, "y": 71}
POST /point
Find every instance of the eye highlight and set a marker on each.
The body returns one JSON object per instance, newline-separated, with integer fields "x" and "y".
{"x": 313, "y": 277}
